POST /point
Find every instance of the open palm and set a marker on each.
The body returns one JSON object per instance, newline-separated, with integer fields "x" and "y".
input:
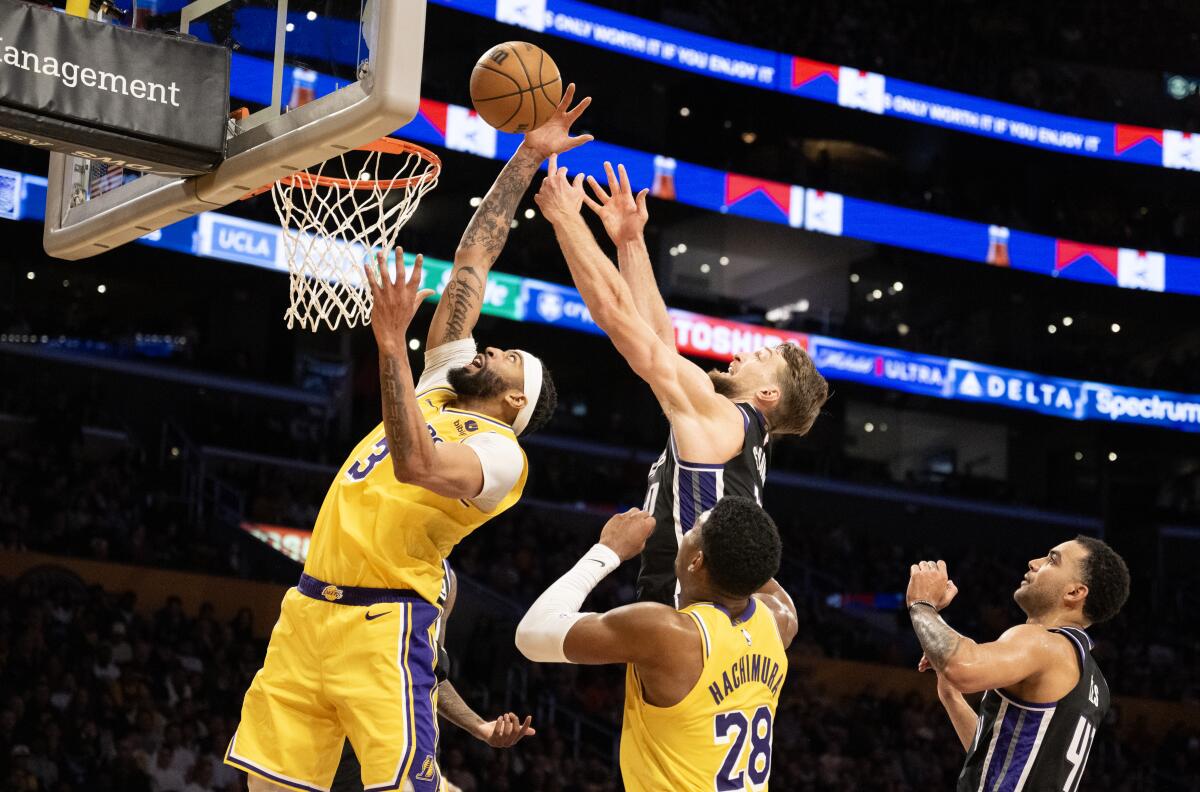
{"x": 554, "y": 136}
{"x": 623, "y": 215}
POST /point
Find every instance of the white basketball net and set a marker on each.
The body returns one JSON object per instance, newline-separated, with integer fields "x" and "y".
{"x": 335, "y": 219}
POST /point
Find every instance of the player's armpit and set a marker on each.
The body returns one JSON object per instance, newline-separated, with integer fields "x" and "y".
{"x": 454, "y": 472}
{"x": 643, "y": 633}
{"x": 1018, "y": 654}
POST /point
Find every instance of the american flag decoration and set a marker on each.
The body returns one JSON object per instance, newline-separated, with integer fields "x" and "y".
{"x": 104, "y": 177}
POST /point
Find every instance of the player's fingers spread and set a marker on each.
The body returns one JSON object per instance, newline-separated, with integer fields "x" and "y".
{"x": 414, "y": 280}
{"x": 624, "y": 178}
{"x": 552, "y": 168}
{"x": 579, "y": 108}
{"x": 641, "y": 199}
{"x": 601, "y": 195}
{"x": 613, "y": 184}
{"x": 577, "y": 141}
{"x": 567, "y": 96}
{"x": 578, "y": 183}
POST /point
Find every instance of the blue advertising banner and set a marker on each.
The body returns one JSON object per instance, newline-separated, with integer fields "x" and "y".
{"x": 844, "y": 86}
{"x": 460, "y": 129}
{"x": 830, "y": 83}
{"x": 234, "y": 239}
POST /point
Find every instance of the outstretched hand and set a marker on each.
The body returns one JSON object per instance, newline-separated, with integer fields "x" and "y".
{"x": 554, "y": 136}
{"x": 506, "y": 731}
{"x": 559, "y": 198}
{"x": 394, "y": 303}
{"x": 623, "y": 215}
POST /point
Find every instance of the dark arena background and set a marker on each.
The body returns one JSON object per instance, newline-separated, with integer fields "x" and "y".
{"x": 982, "y": 220}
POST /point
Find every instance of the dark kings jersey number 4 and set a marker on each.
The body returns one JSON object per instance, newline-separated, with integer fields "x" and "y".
{"x": 1025, "y": 747}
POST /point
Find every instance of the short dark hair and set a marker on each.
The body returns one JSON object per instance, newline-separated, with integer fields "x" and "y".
{"x": 741, "y": 546}
{"x": 1107, "y": 577}
{"x": 802, "y": 393}
{"x": 546, "y": 404}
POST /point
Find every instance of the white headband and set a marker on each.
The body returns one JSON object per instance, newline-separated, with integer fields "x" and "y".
{"x": 533, "y": 389}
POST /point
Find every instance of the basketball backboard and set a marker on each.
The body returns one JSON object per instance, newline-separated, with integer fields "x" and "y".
{"x": 315, "y": 79}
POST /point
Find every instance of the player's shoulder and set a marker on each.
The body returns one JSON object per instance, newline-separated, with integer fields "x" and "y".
{"x": 1040, "y": 639}
{"x": 655, "y": 619}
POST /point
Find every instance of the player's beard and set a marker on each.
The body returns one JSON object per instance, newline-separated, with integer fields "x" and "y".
{"x": 482, "y": 384}
{"x": 1033, "y": 600}
{"x": 724, "y": 384}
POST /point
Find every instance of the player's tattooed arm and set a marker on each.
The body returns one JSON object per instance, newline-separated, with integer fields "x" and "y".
{"x": 486, "y": 234}
{"x": 938, "y": 640}
{"x": 449, "y": 469}
{"x": 488, "y": 230}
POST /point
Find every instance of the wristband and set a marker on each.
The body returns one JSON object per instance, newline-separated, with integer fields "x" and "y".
{"x": 915, "y": 603}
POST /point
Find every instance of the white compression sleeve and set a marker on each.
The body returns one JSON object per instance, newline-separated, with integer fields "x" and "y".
{"x": 543, "y": 630}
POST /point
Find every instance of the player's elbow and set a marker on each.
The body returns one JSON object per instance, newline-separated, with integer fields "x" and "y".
{"x": 531, "y": 640}
{"x": 413, "y": 469}
{"x": 963, "y": 676}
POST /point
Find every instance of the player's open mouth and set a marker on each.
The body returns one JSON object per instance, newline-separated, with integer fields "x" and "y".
{"x": 476, "y": 361}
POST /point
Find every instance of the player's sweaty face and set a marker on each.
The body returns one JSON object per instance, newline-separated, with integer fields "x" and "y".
{"x": 1049, "y": 577}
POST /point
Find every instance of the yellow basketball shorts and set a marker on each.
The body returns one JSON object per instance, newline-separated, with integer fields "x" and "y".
{"x": 344, "y": 662}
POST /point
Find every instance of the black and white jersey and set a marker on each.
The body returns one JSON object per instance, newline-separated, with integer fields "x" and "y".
{"x": 680, "y": 491}
{"x": 1027, "y": 747}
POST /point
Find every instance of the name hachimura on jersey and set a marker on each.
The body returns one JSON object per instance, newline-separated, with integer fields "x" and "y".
{"x": 719, "y": 736}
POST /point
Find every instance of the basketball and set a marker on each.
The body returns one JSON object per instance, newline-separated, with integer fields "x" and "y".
{"x": 515, "y": 86}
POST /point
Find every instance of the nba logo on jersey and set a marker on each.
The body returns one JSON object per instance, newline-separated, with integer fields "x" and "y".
{"x": 426, "y": 773}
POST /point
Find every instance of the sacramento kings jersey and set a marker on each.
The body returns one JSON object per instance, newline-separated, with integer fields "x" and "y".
{"x": 680, "y": 491}
{"x": 1027, "y": 747}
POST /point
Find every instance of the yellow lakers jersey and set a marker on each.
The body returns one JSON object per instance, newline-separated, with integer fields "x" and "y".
{"x": 719, "y": 736}
{"x": 379, "y": 532}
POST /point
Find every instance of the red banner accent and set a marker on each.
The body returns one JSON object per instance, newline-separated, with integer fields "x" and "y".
{"x": 805, "y": 71}
{"x": 292, "y": 542}
{"x": 719, "y": 339}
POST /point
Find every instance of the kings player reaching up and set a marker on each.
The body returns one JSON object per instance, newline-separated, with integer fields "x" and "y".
{"x": 354, "y": 650}
{"x": 721, "y": 421}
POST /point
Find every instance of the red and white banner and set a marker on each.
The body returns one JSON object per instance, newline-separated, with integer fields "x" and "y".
{"x": 292, "y": 542}
{"x": 719, "y": 339}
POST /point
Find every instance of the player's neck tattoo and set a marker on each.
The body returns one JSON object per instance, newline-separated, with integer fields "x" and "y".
{"x": 938, "y": 640}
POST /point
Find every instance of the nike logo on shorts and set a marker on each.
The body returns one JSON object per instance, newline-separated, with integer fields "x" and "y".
{"x": 373, "y": 617}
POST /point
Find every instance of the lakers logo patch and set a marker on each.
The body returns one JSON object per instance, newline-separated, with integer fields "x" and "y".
{"x": 332, "y": 593}
{"x": 426, "y": 773}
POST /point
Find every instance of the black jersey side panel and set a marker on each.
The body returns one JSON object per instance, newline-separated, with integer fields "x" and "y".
{"x": 680, "y": 491}
{"x": 1027, "y": 747}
